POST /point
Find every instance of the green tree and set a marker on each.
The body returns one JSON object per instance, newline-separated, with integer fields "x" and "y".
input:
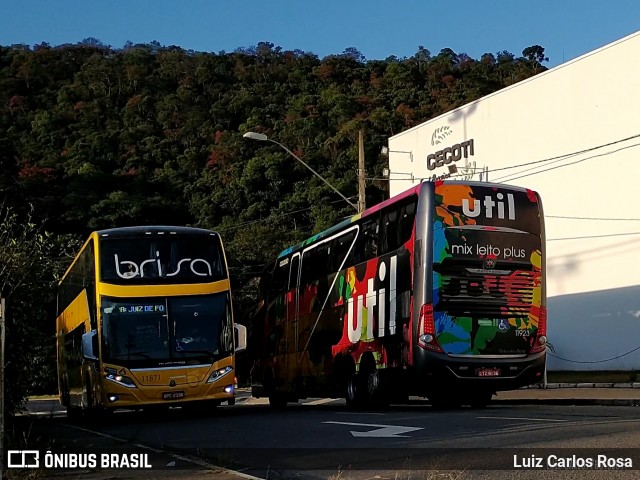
{"x": 30, "y": 262}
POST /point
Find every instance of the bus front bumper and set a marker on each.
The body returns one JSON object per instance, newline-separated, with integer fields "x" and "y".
{"x": 116, "y": 396}
{"x": 437, "y": 370}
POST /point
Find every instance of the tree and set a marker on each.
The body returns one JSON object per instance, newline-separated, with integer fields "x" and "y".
{"x": 535, "y": 55}
{"x": 95, "y": 137}
{"x": 29, "y": 266}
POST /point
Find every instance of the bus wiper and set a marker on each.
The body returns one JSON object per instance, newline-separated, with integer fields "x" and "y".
{"x": 213, "y": 353}
{"x": 128, "y": 354}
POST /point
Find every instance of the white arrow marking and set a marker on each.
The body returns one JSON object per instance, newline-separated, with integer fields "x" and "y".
{"x": 386, "y": 431}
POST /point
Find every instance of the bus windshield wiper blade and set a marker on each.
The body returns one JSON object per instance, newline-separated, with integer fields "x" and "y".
{"x": 212, "y": 353}
{"x": 128, "y": 354}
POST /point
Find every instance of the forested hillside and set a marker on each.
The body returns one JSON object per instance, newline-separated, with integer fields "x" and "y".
{"x": 94, "y": 137}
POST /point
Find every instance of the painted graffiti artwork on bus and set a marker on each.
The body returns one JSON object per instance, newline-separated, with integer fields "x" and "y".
{"x": 487, "y": 260}
{"x": 438, "y": 291}
{"x": 370, "y": 296}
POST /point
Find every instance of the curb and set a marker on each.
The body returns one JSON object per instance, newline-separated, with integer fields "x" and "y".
{"x": 551, "y": 386}
{"x": 617, "y": 402}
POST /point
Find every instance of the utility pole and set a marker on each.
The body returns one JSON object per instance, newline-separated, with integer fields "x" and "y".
{"x": 361, "y": 185}
{"x": 2, "y": 343}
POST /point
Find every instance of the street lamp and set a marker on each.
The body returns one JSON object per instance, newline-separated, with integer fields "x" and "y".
{"x": 384, "y": 151}
{"x": 261, "y": 137}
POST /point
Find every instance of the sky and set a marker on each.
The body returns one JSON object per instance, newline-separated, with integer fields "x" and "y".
{"x": 566, "y": 29}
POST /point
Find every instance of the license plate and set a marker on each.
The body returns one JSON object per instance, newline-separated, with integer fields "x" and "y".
{"x": 488, "y": 372}
{"x": 172, "y": 395}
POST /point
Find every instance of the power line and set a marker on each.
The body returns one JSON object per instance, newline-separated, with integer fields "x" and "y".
{"x": 566, "y": 155}
{"x": 574, "y": 163}
{"x": 269, "y": 219}
{"x": 593, "y": 236}
{"x": 605, "y": 219}
{"x": 594, "y": 361}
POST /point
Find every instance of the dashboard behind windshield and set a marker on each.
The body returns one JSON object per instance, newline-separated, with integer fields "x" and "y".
{"x": 159, "y": 331}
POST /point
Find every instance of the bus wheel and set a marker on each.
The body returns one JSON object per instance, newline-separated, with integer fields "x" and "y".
{"x": 277, "y": 400}
{"x": 347, "y": 381}
{"x": 371, "y": 392}
{"x": 351, "y": 390}
{"x": 88, "y": 407}
{"x": 73, "y": 413}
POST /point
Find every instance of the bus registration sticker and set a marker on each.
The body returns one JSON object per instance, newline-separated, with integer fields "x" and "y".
{"x": 172, "y": 395}
{"x": 488, "y": 372}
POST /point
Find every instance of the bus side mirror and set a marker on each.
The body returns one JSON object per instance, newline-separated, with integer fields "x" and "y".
{"x": 90, "y": 345}
{"x": 240, "y": 337}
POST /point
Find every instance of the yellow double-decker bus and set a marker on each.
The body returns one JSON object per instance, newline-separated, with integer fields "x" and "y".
{"x": 145, "y": 318}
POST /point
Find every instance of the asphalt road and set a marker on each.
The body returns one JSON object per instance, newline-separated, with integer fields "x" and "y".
{"x": 325, "y": 439}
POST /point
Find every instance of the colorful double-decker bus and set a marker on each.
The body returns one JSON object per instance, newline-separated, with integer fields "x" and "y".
{"x": 438, "y": 292}
{"x": 145, "y": 318}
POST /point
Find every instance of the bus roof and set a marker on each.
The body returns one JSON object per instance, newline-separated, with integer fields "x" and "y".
{"x": 379, "y": 206}
{"x": 369, "y": 211}
{"x": 125, "y": 232}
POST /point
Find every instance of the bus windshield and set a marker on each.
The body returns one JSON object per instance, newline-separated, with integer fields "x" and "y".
{"x": 158, "y": 331}
{"x": 161, "y": 260}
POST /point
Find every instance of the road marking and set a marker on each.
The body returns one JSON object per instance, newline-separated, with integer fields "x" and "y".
{"x": 320, "y": 401}
{"x": 523, "y": 418}
{"x": 381, "y": 431}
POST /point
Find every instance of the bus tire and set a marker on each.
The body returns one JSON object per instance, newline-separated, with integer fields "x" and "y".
{"x": 347, "y": 380}
{"x": 65, "y": 397}
{"x": 90, "y": 411}
{"x": 87, "y": 396}
{"x": 369, "y": 387}
{"x": 351, "y": 391}
{"x": 277, "y": 401}
{"x": 73, "y": 413}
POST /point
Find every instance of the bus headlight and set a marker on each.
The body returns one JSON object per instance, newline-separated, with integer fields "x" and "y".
{"x": 219, "y": 373}
{"x": 120, "y": 380}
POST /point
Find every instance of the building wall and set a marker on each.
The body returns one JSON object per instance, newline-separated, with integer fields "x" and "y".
{"x": 571, "y": 133}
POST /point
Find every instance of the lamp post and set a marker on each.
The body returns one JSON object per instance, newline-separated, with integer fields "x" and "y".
{"x": 263, "y": 138}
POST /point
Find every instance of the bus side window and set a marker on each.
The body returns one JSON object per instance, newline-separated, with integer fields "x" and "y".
{"x": 315, "y": 263}
{"x": 279, "y": 277}
{"x": 406, "y": 219}
{"x": 293, "y": 272}
{"x": 389, "y": 238}
{"x": 370, "y": 238}
{"x": 339, "y": 250}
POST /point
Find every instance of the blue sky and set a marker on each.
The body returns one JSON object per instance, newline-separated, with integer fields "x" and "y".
{"x": 565, "y": 28}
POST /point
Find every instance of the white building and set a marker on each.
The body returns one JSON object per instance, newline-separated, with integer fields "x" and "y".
{"x": 571, "y": 133}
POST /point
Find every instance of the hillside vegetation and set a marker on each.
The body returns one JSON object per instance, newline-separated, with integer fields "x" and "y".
{"x": 94, "y": 137}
